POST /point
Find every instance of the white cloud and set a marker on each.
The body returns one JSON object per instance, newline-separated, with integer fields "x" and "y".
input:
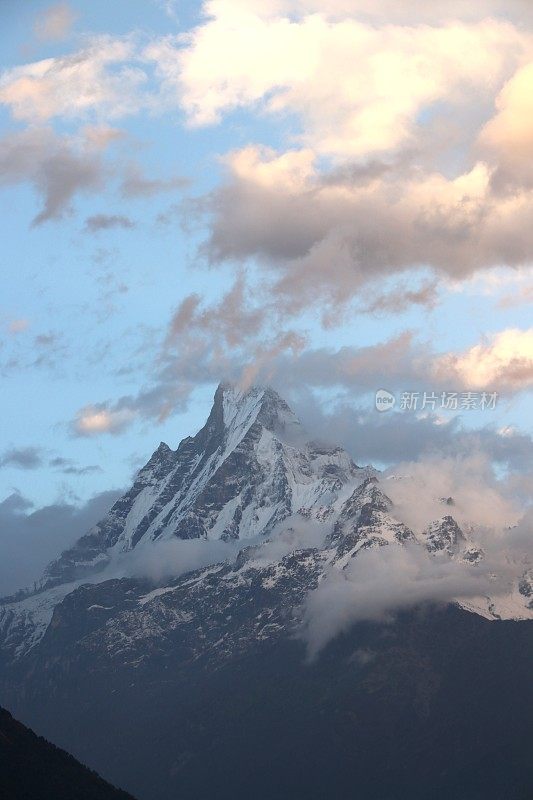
{"x": 163, "y": 560}
{"x": 479, "y": 498}
{"x": 380, "y": 582}
{"x": 97, "y": 79}
{"x": 504, "y": 363}
{"x": 93, "y": 420}
{"x": 358, "y": 88}
{"x": 512, "y": 126}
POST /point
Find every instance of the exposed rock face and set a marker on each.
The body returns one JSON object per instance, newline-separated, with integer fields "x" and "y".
{"x": 444, "y": 535}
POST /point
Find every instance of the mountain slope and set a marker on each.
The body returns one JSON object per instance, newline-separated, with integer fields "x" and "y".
{"x": 436, "y": 705}
{"x": 202, "y": 681}
{"x": 33, "y": 769}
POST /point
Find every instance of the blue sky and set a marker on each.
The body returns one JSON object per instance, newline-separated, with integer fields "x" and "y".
{"x": 244, "y": 153}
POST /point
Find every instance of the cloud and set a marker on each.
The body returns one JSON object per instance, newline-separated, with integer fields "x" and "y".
{"x": 523, "y": 296}
{"x": 400, "y": 298}
{"x": 293, "y": 533}
{"x": 54, "y": 23}
{"x": 406, "y": 363}
{"x": 32, "y": 457}
{"x": 319, "y": 245}
{"x": 504, "y": 363}
{"x": 58, "y": 167}
{"x": 358, "y": 88}
{"x": 163, "y": 560}
{"x": 390, "y": 11}
{"x": 92, "y": 420}
{"x": 396, "y": 437}
{"x": 201, "y": 345}
{"x": 103, "y": 222}
{"x": 508, "y": 136}
{"x": 380, "y": 582}
{"x": 480, "y": 499}
{"x": 69, "y": 467}
{"x": 46, "y": 340}
{"x": 30, "y": 539}
{"x": 136, "y": 185}
{"x": 380, "y": 181}
{"x": 95, "y": 80}
{"x": 169, "y": 7}
{"x": 22, "y": 458}
{"x": 232, "y": 319}
{"x": 242, "y": 337}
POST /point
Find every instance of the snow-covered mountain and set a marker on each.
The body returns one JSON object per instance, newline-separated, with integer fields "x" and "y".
{"x": 251, "y": 476}
{"x": 98, "y": 641}
{"x": 248, "y": 469}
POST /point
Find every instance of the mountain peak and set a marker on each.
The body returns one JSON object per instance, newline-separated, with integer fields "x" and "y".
{"x": 234, "y": 398}
{"x": 236, "y": 408}
{"x": 250, "y": 467}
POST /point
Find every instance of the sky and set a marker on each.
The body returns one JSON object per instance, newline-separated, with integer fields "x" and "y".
{"x": 333, "y": 198}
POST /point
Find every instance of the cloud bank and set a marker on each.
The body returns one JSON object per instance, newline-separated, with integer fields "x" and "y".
{"x": 30, "y": 539}
{"x": 380, "y": 582}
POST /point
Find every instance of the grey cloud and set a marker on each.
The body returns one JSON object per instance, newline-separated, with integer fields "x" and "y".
{"x": 480, "y": 499}
{"x": 135, "y": 184}
{"x": 232, "y": 339}
{"x": 56, "y": 167}
{"x": 46, "y": 339}
{"x": 401, "y": 298}
{"x": 373, "y": 437}
{"x": 69, "y": 467}
{"x": 22, "y": 458}
{"x": 232, "y": 318}
{"x": 248, "y": 220}
{"x": 103, "y": 222}
{"x": 401, "y": 363}
{"x": 523, "y": 296}
{"x": 34, "y": 458}
{"x": 322, "y": 243}
{"x": 49, "y": 350}
{"x": 30, "y": 539}
{"x": 359, "y": 174}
